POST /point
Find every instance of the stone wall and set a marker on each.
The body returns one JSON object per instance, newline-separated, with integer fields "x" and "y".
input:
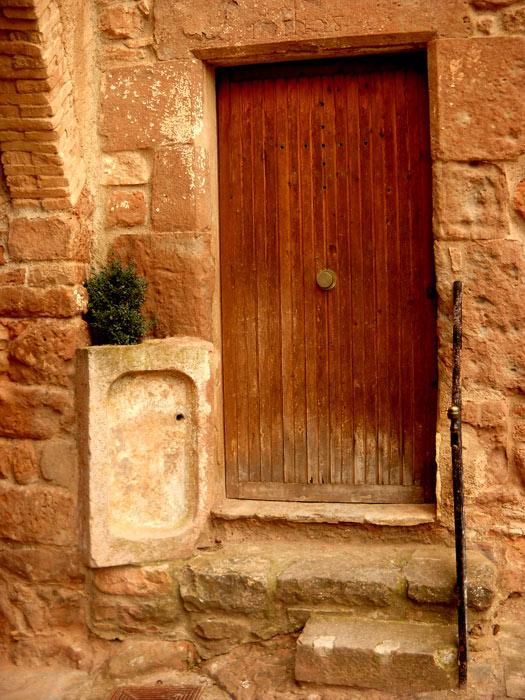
{"x": 150, "y": 194}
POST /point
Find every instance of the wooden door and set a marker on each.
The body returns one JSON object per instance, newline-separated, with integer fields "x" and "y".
{"x": 328, "y": 395}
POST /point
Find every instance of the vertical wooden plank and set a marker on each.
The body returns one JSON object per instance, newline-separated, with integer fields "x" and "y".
{"x": 273, "y": 282}
{"x": 345, "y": 279}
{"x": 309, "y": 266}
{"x": 405, "y": 232}
{"x": 335, "y": 334}
{"x": 263, "y": 300}
{"x": 393, "y": 286}
{"x": 229, "y": 177}
{"x": 248, "y": 377}
{"x": 353, "y": 141}
{"x": 285, "y": 275}
{"x": 369, "y": 288}
{"x": 382, "y": 389}
{"x": 297, "y": 284}
{"x": 319, "y": 255}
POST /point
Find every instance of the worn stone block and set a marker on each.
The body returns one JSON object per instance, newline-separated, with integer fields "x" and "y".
{"x": 145, "y": 106}
{"x": 32, "y": 412}
{"x": 238, "y": 584}
{"x": 44, "y": 351}
{"x": 53, "y": 238}
{"x": 38, "y": 515}
{"x": 120, "y": 21}
{"x": 431, "y": 577}
{"x": 42, "y": 564}
{"x": 180, "y": 179}
{"x": 54, "y": 274}
{"x": 27, "y": 302}
{"x": 58, "y": 462}
{"x": 25, "y": 464}
{"x": 136, "y": 656}
{"x": 181, "y": 280}
{"x": 126, "y": 209}
{"x": 145, "y": 582}
{"x": 201, "y": 25}
{"x": 148, "y": 616}
{"x": 475, "y": 78}
{"x": 363, "y": 580}
{"x": 518, "y": 201}
{"x": 146, "y": 499}
{"x": 470, "y": 201}
{"x": 388, "y": 656}
{"x": 125, "y": 168}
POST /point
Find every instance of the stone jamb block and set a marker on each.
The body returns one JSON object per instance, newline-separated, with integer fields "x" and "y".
{"x": 146, "y": 448}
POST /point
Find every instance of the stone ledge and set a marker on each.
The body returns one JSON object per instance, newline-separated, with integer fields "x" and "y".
{"x": 400, "y": 515}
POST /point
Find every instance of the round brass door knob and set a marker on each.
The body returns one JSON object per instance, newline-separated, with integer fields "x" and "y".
{"x": 326, "y": 280}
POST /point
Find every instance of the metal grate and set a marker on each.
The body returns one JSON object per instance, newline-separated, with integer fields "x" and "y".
{"x": 156, "y": 692}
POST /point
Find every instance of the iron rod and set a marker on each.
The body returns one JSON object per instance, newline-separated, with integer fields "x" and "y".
{"x": 454, "y": 415}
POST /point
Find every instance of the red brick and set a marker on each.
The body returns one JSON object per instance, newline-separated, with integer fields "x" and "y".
{"x": 23, "y": 302}
{"x": 52, "y": 238}
{"x": 38, "y": 515}
{"x": 126, "y": 209}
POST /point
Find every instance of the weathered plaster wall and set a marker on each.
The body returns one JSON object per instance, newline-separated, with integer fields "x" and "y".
{"x": 137, "y": 73}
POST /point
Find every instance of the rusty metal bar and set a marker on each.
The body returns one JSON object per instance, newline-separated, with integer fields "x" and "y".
{"x": 454, "y": 414}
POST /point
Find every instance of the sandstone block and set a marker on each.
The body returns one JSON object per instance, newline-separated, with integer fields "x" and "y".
{"x": 134, "y": 657}
{"x": 12, "y": 276}
{"x": 24, "y": 463}
{"x": 42, "y": 564}
{"x": 58, "y": 462}
{"x": 49, "y": 274}
{"x": 214, "y": 628}
{"x": 366, "y": 580}
{"x": 431, "y": 577}
{"x": 200, "y": 24}
{"x": 519, "y": 198}
{"x": 477, "y": 77}
{"x": 513, "y": 20}
{"x": 44, "y": 351}
{"x": 30, "y": 412}
{"x": 37, "y": 515}
{"x": 180, "y": 177}
{"x": 148, "y": 616}
{"x": 148, "y": 498}
{"x": 24, "y": 302}
{"x": 181, "y": 280}
{"x": 238, "y": 584}
{"x": 470, "y": 201}
{"x": 53, "y": 238}
{"x": 126, "y": 209}
{"x": 147, "y": 581}
{"x": 388, "y": 656}
{"x": 125, "y": 168}
{"x": 144, "y": 106}
{"x": 120, "y": 21}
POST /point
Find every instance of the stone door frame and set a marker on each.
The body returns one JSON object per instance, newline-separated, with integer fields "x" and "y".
{"x": 328, "y": 48}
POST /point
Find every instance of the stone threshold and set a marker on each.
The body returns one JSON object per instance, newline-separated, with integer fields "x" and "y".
{"x": 387, "y": 514}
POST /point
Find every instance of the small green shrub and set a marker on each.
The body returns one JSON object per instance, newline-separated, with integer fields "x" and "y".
{"x": 116, "y": 294}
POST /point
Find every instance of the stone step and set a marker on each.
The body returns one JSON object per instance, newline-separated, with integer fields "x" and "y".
{"x": 384, "y": 655}
{"x": 407, "y": 579}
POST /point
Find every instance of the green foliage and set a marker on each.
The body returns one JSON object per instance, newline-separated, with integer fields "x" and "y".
{"x": 116, "y": 294}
